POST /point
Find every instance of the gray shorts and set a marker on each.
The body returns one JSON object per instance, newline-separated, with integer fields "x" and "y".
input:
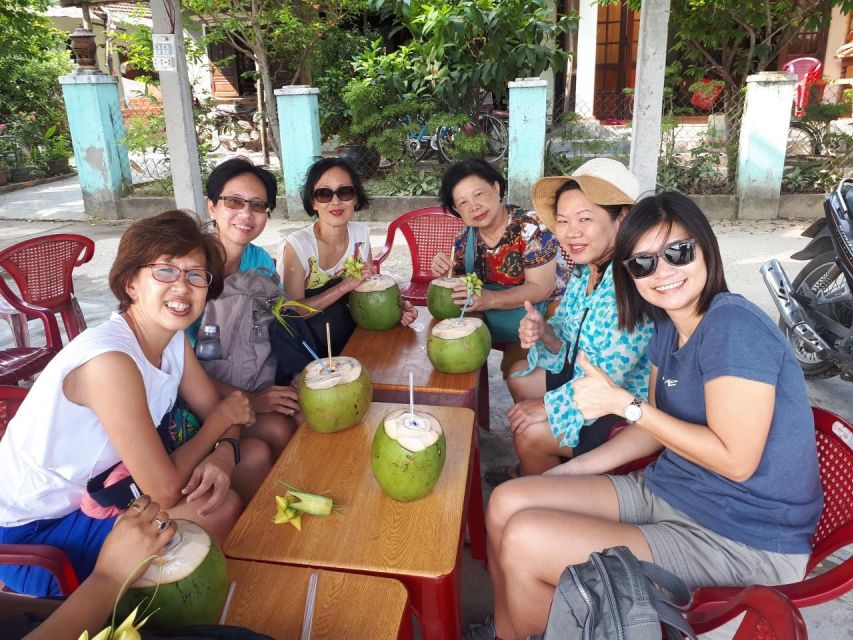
{"x": 698, "y": 555}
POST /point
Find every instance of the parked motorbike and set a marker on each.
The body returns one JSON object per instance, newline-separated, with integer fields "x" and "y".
{"x": 235, "y": 125}
{"x": 816, "y": 309}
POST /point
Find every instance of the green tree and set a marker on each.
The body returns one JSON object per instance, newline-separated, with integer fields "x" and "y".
{"x": 460, "y": 49}
{"x": 276, "y": 34}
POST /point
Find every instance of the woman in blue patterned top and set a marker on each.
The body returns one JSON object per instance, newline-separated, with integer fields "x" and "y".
{"x": 584, "y": 211}
{"x": 728, "y": 406}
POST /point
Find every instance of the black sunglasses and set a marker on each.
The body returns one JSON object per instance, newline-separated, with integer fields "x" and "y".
{"x": 678, "y": 254}
{"x": 324, "y": 194}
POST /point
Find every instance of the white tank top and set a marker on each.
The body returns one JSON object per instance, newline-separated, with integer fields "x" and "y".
{"x": 53, "y": 446}
{"x": 304, "y": 244}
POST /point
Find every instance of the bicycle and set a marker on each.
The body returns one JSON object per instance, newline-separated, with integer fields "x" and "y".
{"x": 813, "y": 138}
{"x": 419, "y": 144}
{"x": 488, "y": 123}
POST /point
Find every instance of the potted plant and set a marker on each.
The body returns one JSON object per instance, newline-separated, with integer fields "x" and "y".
{"x": 57, "y": 151}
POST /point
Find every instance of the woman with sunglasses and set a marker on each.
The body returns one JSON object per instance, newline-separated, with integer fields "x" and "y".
{"x": 99, "y": 402}
{"x": 240, "y": 199}
{"x": 728, "y": 406}
{"x": 584, "y": 211}
{"x": 314, "y": 256}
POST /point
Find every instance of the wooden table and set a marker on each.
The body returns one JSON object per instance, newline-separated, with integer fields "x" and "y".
{"x": 390, "y": 355}
{"x": 419, "y": 543}
{"x": 270, "y": 599}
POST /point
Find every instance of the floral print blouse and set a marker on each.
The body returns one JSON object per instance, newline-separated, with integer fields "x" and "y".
{"x": 525, "y": 244}
{"x": 591, "y": 319}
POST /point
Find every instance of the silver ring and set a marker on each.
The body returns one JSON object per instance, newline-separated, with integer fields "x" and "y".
{"x": 161, "y": 524}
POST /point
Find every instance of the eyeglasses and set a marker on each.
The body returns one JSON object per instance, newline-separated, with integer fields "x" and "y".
{"x": 236, "y": 203}
{"x": 324, "y": 194}
{"x": 163, "y": 272}
{"x": 678, "y": 254}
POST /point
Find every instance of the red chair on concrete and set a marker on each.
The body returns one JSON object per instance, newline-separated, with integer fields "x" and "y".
{"x": 770, "y": 615}
{"x": 39, "y": 555}
{"x": 834, "y": 530}
{"x": 41, "y": 269}
{"x": 427, "y": 231}
{"x": 808, "y": 72}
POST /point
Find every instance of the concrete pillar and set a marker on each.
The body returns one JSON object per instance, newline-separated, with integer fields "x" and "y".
{"x": 763, "y": 139}
{"x": 170, "y": 61}
{"x": 648, "y": 93}
{"x": 527, "y": 111}
{"x": 299, "y": 129}
{"x": 585, "y": 57}
{"x": 94, "y": 120}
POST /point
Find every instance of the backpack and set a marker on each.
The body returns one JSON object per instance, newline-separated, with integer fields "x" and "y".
{"x": 242, "y": 312}
{"x": 615, "y": 596}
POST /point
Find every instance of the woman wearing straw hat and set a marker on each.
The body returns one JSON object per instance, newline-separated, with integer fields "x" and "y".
{"x": 584, "y": 210}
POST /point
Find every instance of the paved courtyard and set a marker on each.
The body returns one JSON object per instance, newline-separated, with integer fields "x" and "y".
{"x": 745, "y": 246}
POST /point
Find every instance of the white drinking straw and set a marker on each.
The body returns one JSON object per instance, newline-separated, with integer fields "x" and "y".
{"x": 329, "y": 343}
{"x": 452, "y": 250}
{"x": 224, "y": 615}
{"x": 308, "y": 618}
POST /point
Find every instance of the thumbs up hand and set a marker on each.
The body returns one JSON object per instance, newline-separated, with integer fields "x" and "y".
{"x": 596, "y": 394}
{"x": 532, "y": 326}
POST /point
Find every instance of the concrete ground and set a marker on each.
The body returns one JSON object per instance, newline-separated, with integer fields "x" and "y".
{"x": 57, "y": 208}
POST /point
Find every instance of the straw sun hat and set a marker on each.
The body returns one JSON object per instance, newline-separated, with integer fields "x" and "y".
{"x": 603, "y": 180}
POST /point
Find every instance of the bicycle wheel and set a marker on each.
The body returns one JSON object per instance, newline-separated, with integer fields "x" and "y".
{"x": 444, "y": 141}
{"x": 801, "y": 141}
{"x": 209, "y": 135}
{"x": 497, "y": 137}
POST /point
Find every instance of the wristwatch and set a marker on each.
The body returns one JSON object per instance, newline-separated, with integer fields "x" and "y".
{"x": 634, "y": 411}
{"x": 235, "y": 444}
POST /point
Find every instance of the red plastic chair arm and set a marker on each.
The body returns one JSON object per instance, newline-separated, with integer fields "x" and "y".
{"x": 51, "y": 327}
{"x": 46, "y": 557}
{"x": 379, "y": 258}
{"x": 765, "y": 602}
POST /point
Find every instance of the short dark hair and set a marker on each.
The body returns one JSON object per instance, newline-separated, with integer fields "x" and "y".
{"x": 234, "y": 167}
{"x": 316, "y": 171}
{"x": 458, "y": 172}
{"x": 171, "y": 233}
{"x": 613, "y": 210}
{"x": 667, "y": 208}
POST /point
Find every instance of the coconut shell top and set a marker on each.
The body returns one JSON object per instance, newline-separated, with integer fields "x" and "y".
{"x": 344, "y": 370}
{"x": 448, "y": 283}
{"x": 183, "y": 556}
{"x": 412, "y": 432}
{"x": 455, "y": 328}
{"x": 376, "y": 283}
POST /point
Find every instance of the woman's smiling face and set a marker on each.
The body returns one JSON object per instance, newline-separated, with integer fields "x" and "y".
{"x": 676, "y": 290}
{"x": 240, "y": 226}
{"x": 584, "y": 230}
{"x": 336, "y": 212}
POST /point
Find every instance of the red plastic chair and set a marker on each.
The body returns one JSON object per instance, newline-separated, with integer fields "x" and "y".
{"x": 808, "y": 72}
{"x": 770, "y": 615}
{"x": 39, "y": 555}
{"x": 834, "y": 530}
{"x": 41, "y": 268}
{"x": 427, "y": 231}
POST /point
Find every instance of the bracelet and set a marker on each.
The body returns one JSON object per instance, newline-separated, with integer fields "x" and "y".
{"x": 235, "y": 444}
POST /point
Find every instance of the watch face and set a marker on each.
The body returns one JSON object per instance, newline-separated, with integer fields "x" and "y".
{"x": 633, "y": 413}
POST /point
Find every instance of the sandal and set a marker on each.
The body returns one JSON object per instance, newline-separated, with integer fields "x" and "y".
{"x": 500, "y": 474}
{"x": 482, "y": 631}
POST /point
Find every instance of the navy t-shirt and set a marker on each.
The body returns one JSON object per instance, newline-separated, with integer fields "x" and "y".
{"x": 778, "y": 507}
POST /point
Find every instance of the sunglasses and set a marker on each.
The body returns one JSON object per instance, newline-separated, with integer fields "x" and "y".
{"x": 678, "y": 254}
{"x": 163, "y": 272}
{"x": 324, "y": 194}
{"x": 237, "y": 203}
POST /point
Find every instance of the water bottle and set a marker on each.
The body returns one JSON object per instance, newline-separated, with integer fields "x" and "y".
{"x": 209, "y": 347}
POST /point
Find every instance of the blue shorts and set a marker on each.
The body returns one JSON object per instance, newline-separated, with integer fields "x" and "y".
{"x": 78, "y": 535}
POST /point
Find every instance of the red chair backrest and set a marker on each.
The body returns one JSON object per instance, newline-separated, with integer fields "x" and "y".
{"x": 427, "y": 231}
{"x": 835, "y": 452}
{"x": 41, "y": 267}
{"x": 807, "y": 71}
{"x": 10, "y": 399}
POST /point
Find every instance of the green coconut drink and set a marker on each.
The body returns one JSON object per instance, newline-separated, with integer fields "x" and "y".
{"x": 336, "y": 398}
{"x": 408, "y": 454}
{"x": 376, "y": 304}
{"x": 459, "y": 345}
{"x": 190, "y": 579}
{"x": 440, "y": 298}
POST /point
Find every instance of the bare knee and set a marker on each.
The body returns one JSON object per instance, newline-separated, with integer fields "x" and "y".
{"x": 506, "y": 500}
{"x": 256, "y": 454}
{"x": 275, "y": 429}
{"x": 535, "y": 441}
{"x": 220, "y": 522}
{"x": 518, "y": 532}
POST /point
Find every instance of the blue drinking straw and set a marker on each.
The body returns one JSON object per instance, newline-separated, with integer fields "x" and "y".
{"x": 315, "y": 356}
{"x": 464, "y": 308}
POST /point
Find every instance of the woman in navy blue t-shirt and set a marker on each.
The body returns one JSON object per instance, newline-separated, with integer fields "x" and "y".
{"x": 728, "y": 406}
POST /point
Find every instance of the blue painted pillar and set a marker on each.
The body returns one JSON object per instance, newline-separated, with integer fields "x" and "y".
{"x": 763, "y": 139}
{"x": 299, "y": 128}
{"x": 94, "y": 120}
{"x": 527, "y": 99}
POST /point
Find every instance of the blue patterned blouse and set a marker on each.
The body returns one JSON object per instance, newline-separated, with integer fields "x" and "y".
{"x": 622, "y": 355}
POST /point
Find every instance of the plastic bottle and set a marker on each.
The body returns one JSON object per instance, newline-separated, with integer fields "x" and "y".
{"x": 209, "y": 346}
